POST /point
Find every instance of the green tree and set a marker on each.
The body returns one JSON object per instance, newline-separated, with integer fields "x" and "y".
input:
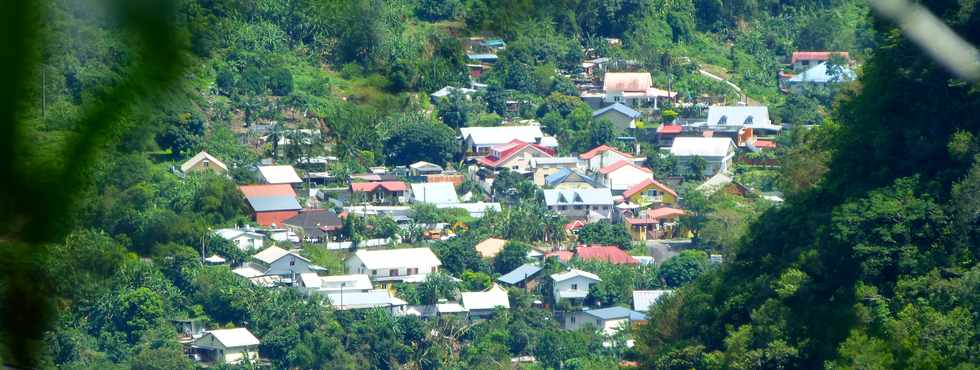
{"x": 420, "y": 139}
{"x": 511, "y": 257}
{"x": 605, "y": 233}
{"x": 683, "y": 268}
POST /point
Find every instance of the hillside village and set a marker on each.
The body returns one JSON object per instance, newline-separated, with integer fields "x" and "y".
{"x": 393, "y": 226}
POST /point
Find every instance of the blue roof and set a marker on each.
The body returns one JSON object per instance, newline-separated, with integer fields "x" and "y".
{"x": 277, "y": 203}
{"x": 562, "y": 174}
{"x": 611, "y": 313}
{"x": 821, "y": 74}
{"x": 619, "y": 107}
{"x": 482, "y": 57}
{"x": 494, "y": 42}
{"x": 519, "y": 274}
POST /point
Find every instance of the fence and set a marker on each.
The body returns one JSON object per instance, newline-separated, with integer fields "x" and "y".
{"x": 363, "y": 244}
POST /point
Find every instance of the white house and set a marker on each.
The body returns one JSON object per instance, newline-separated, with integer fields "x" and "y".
{"x": 603, "y": 156}
{"x": 622, "y": 175}
{"x": 434, "y": 193}
{"x": 633, "y": 89}
{"x": 229, "y": 346}
{"x": 644, "y": 299}
{"x": 590, "y": 204}
{"x": 379, "y": 298}
{"x": 482, "y": 304}
{"x": 394, "y": 265}
{"x": 717, "y": 153}
{"x": 245, "y": 239}
{"x": 203, "y": 162}
{"x": 610, "y": 320}
{"x": 516, "y": 156}
{"x": 479, "y": 140}
{"x": 279, "y": 175}
{"x": 310, "y": 283}
{"x": 275, "y": 261}
{"x": 573, "y": 284}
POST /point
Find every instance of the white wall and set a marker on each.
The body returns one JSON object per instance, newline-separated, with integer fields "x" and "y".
{"x": 581, "y": 283}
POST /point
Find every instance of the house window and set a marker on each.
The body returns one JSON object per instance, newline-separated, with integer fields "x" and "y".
{"x": 413, "y": 271}
{"x": 571, "y": 319}
{"x": 393, "y": 272}
{"x": 562, "y": 208}
{"x": 574, "y": 286}
{"x": 598, "y": 323}
{"x": 434, "y": 269}
{"x": 578, "y": 207}
{"x": 292, "y": 262}
{"x": 374, "y": 272}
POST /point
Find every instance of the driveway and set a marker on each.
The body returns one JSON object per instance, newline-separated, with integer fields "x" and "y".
{"x": 662, "y": 250}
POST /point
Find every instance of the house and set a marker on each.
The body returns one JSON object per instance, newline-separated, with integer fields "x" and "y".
{"x": 573, "y": 285}
{"x": 605, "y": 155}
{"x": 523, "y": 276}
{"x": 482, "y": 58}
{"x": 394, "y": 265}
{"x": 310, "y": 283}
{"x": 225, "y": 346}
{"x": 482, "y": 304}
{"x": 449, "y": 90}
{"x": 479, "y": 140}
{"x": 734, "y": 118}
{"x": 659, "y": 223}
{"x": 589, "y": 204}
{"x": 379, "y": 298}
{"x": 381, "y": 192}
{"x": 272, "y": 203}
{"x": 203, "y": 162}
{"x": 644, "y": 299}
{"x": 516, "y": 156}
{"x": 803, "y": 60}
{"x": 667, "y": 133}
{"x": 434, "y": 193}
{"x": 280, "y": 175}
{"x": 820, "y": 74}
{"x": 423, "y": 168}
{"x": 245, "y": 239}
{"x": 490, "y": 247}
{"x": 650, "y": 192}
{"x": 571, "y": 179}
{"x": 605, "y": 253}
{"x": 622, "y": 117}
{"x": 623, "y": 175}
{"x": 437, "y": 310}
{"x": 314, "y": 225}
{"x": 716, "y": 152}
{"x": 610, "y": 320}
{"x": 546, "y": 166}
{"x": 275, "y": 261}
{"x": 632, "y": 89}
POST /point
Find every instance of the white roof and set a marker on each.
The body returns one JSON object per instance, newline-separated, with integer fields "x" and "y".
{"x": 233, "y": 338}
{"x": 501, "y": 134}
{"x": 247, "y": 272}
{"x": 549, "y": 141}
{"x": 572, "y": 197}
{"x": 702, "y": 146}
{"x": 280, "y": 174}
{"x": 274, "y": 253}
{"x": 435, "y": 193}
{"x": 354, "y": 282}
{"x": 310, "y": 279}
{"x": 643, "y": 299}
{"x": 394, "y": 258}
{"x": 574, "y": 273}
{"x": 490, "y": 299}
{"x": 370, "y": 299}
{"x": 553, "y": 160}
{"x": 740, "y": 115}
{"x": 230, "y": 234}
{"x": 215, "y": 259}
{"x": 200, "y": 157}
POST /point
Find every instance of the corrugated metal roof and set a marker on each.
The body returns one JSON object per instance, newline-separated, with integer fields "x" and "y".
{"x": 519, "y": 274}
{"x": 278, "y": 203}
{"x": 619, "y": 107}
{"x": 611, "y": 313}
{"x": 559, "y": 197}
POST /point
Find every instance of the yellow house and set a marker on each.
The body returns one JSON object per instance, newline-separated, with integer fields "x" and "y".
{"x": 650, "y": 192}
{"x": 203, "y": 162}
{"x": 660, "y": 223}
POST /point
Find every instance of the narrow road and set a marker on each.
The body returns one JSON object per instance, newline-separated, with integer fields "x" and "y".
{"x": 662, "y": 250}
{"x": 727, "y": 82}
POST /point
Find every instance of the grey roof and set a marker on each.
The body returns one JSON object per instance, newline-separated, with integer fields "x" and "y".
{"x": 560, "y": 197}
{"x": 562, "y": 174}
{"x": 277, "y": 203}
{"x": 643, "y": 299}
{"x": 312, "y": 220}
{"x": 821, "y": 74}
{"x": 612, "y": 313}
{"x": 435, "y": 193}
{"x": 519, "y": 274}
{"x": 618, "y": 107}
{"x": 448, "y": 90}
{"x": 355, "y": 300}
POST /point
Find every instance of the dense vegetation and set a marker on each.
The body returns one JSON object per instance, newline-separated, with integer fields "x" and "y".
{"x": 103, "y": 247}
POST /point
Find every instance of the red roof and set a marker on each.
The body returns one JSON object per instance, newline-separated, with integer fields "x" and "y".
{"x": 670, "y": 129}
{"x": 577, "y": 224}
{"x": 563, "y": 256}
{"x": 643, "y": 185}
{"x": 641, "y": 221}
{"x": 368, "y": 187}
{"x": 606, "y": 253}
{"x": 815, "y": 55}
{"x": 664, "y": 212}
{"x": 602, "y": 149}
{"x": 267, "y": 190}
{"x": 708, "y": 133}
{"x": 764, "y": 144}
{"x": 615, "y": 166}
{"x": 508, "y": 150}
